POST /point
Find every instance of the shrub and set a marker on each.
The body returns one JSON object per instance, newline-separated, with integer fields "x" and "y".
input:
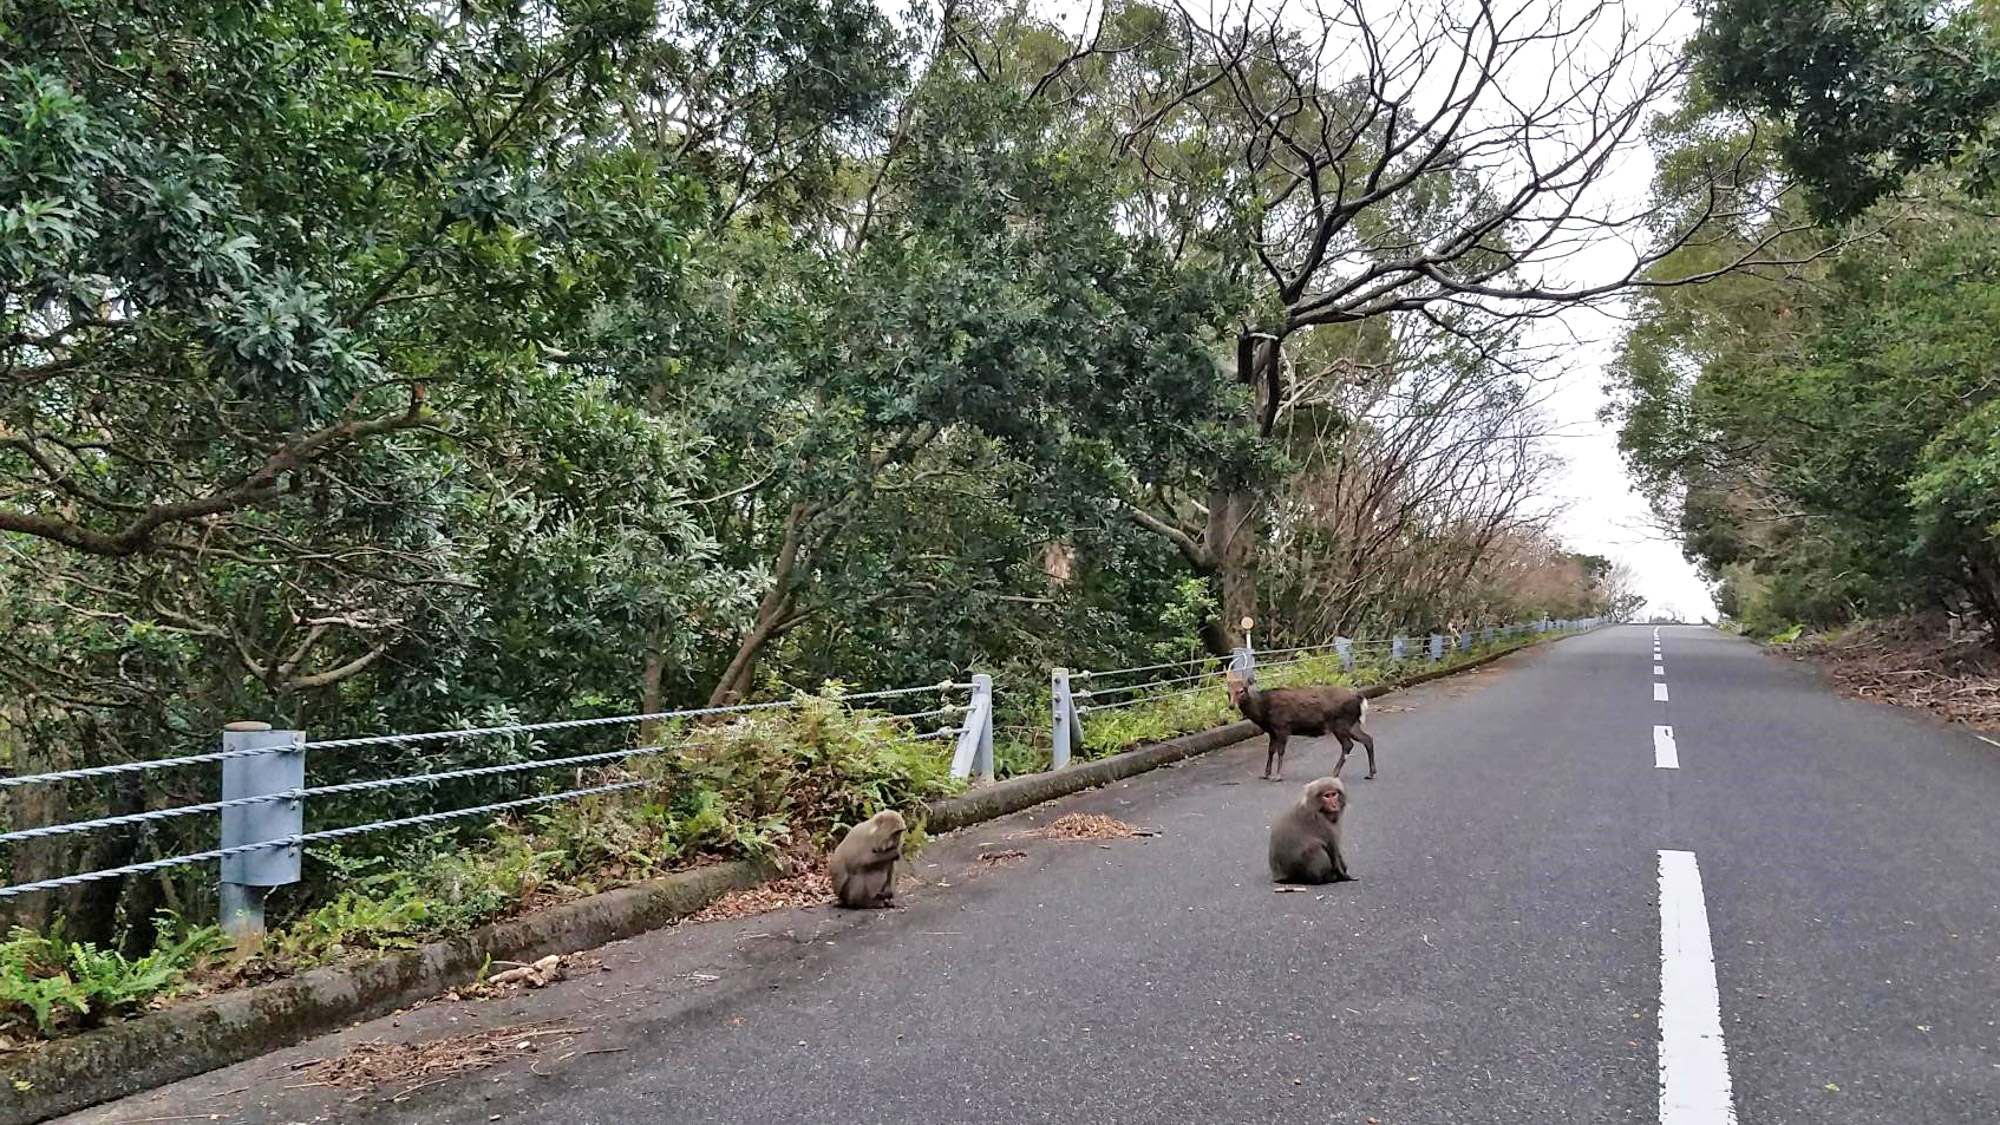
{"x": 49, "y": 986}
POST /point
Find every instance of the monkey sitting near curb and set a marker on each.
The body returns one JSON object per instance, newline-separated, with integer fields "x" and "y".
{"x": 1305, "y": 841}
{"x": 864, "y": 864}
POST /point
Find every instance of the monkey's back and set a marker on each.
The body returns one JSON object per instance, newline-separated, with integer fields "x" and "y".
{"x": 1299, "y": 842}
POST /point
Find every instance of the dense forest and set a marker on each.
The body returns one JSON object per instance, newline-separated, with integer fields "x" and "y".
{"x": 1825, "y": 438}
{"x": 388, "y": 366}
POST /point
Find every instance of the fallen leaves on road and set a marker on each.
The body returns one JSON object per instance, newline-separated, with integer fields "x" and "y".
{"x": 810, "y": 889}
{"x": 1089, "y": 826}
{"x": 370, "y": 1065}
{"x": 1003, "y": 858}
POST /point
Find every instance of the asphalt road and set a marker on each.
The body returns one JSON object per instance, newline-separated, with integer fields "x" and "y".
{"x": 1500, "y": 959}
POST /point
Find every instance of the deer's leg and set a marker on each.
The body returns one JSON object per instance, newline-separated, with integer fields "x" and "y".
{"x": 1346, "y": 748}
{"x": 1276, "y": 755}
{"x": 1368, "y": 744}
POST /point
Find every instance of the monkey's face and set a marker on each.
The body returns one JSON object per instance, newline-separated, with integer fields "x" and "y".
{"x": 1329, "y": 803}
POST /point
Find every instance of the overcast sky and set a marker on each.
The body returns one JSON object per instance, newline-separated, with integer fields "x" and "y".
{"x": 1601, "y": 513}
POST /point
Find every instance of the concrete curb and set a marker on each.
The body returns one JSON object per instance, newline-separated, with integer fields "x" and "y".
{"x": 1016, "y": 793}
{"x": 202, "y": 1035}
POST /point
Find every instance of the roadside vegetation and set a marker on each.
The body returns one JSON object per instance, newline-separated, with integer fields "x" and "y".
{"x": 1825, "y": 440}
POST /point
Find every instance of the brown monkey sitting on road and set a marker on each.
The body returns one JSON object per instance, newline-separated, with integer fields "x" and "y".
{"x": 864, "y": 864}
{"x": 1286, "y": 711}
{"x": 1305, "y": 841}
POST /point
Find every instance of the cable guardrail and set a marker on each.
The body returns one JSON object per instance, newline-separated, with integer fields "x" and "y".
{"x": 1122, "y": 688}
{"x": 264, "y": 791}
{"x": 299, "y": 840}
{"x": 508, "y": 729}
{"x": 454, "y": 734}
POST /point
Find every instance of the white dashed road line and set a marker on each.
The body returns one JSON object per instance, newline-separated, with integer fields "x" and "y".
{"x": 1694, "y": 1064}
{"x": 1666, "y": 755}
{"x": 1659, "y": 670}
{"x": 1659, "y": 692}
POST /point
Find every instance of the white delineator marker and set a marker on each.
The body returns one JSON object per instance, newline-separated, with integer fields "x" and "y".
{"x": 1694, "y": 1063}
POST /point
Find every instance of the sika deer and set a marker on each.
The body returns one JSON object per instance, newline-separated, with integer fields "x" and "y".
{"x": 1286, "y": 711}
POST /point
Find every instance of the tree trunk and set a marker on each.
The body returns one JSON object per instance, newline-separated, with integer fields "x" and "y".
{"x": 774, "y": 614}
{"x": 773, "y": 618}
{"x": 29, "y": 807}
{"x": 1232, "y": 543}
{"x": 1235, "y": 510}
{"x": 34, "y": 860}
{"x": 650, "y": 674}
{"x": 1227, "y": 553}
{"x": 143, "y": 899}
{"x": 93, "y": 913}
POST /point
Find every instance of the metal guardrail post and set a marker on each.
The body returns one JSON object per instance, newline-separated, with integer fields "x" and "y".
{"x": 974, "y": 752}
{"x": 1437, "y": 647}
{"x": 249, "y": 876}
{"x": 1465, "y": 641}
{"x": 1066, "y": 734}
{"x": 1487, "y": 637}
{"x": 1398, "y": 648}
{"x": 1345, "y": 647}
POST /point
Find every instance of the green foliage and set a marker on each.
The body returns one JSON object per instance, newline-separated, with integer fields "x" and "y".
{"x": 1871, "y": 91}
{"x": 385, "y": 911}
{"x": 1832, "y": 454}
{"x": 49, "y": 986}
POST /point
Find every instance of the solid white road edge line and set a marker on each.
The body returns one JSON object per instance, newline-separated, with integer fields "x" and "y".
{"x": 1666, "y": 755}
{"x": 1659, "y": 693}
{"x": 1694, "y": 1064}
